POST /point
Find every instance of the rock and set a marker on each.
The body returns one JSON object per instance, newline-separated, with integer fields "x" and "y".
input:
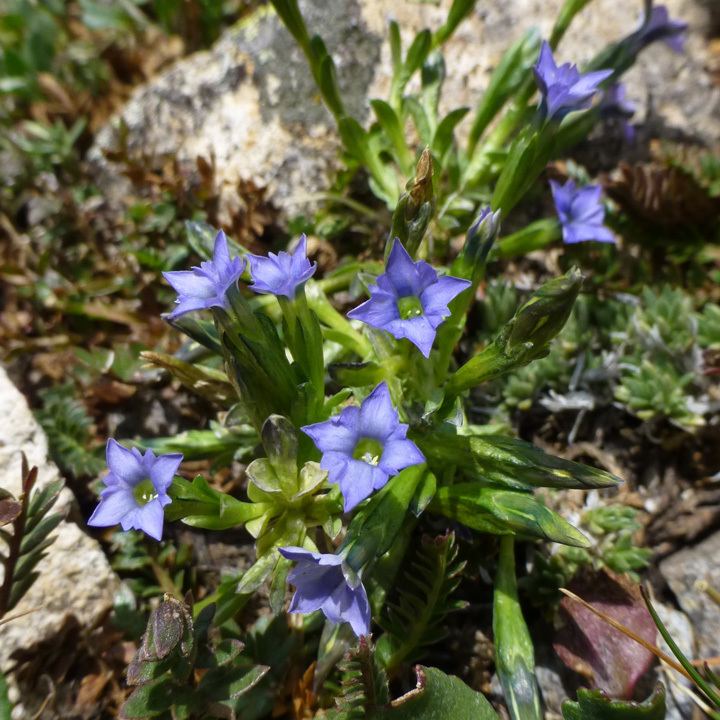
{"x": 250, "y": 100}
{"x": 75, "y": 576}
{"x": 685, "y": 572}
{"x": 553, "y": 693}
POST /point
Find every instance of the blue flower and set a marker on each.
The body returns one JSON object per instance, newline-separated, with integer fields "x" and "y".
{"x": 615, "y": 105}
{"x": 410, "y": 300}
{"x": 206, "y": 286}
{"x": 363, "y": 447}
{"x": 563, "y": 88}
{"x": 326, "y": 582}
{"x": 135, "y": 489}
{"x": 282, "y": 274}
{"x": 659, "y": 26}
{"x": 581, "y": 213}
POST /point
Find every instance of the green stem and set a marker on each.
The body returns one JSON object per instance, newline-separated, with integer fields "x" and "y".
{"x": 514, "y": 652}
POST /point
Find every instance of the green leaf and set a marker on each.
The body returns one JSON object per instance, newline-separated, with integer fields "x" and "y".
{"x": 528, "y": 156}
{"x": 511, "y": 71}
{"x": 443, "y": 138}
{"x": 510, "y": 462}
{"x": 357, "y": 143}
{"x": 459, "y": 10}
{"x": 535, "y": 236}
{"x": 595, "y": 705}
{"x": 329, "y": 86}
{"x": 417, "y": 52}
{"x": 420, "y": 118}
{"x": 415, "y": 618}
{"x": 390, "y": 123}
{"x": 150, "y": 699}
{"x": 39, "y": 534}
{"x": 438, "y": 697}
{"x": 292, "y": 18}
{"x": 375, "y": 526}
{"x": 502, "y": 512}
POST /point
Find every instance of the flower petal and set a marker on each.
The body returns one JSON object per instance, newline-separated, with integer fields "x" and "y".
{"x": 399, "y": 454}
{"x": 149, "y": 518}
{"x": 163, "y": 470}
{"x": 112, "y": 507}
{"x": 378, "y": 418}
{"x": 401, "y": 271}
{"x": 124, "y": 463}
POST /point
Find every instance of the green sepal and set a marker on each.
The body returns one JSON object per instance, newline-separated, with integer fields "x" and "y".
{"x": 199, "y": 505}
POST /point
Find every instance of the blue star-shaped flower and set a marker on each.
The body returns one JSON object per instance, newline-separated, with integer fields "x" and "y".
{"x": 659, "y": 26}
{"x": 410, "y": 300}
{"x": 614, "y": 105}
{"x": 363, "y": 447}
{"x": 282, "y": 274}
{"x": 204, "y": 287}
{"x": 564, "y": 89}
{"x": 326, "y": 582}
{"x": 135, "y": 489}
{"x": 581, "y": 213}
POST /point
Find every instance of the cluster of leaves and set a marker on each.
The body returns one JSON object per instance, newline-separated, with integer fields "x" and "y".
{"x": 175, "y": 667}
{"x": 651, "y": 355}
{"x": 29, "y": 536}
{"x": 81, "y": 277}
{"x": 614, "y": 529}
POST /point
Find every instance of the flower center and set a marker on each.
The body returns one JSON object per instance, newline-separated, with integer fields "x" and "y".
{"x": 368, "y": 450}
{"x": 144, "y": 492}
{"x": 409, "y": 307}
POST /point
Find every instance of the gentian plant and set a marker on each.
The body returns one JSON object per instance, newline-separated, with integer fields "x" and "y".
{"x": 357, "y": 425}
{"x": 356, "y": 450}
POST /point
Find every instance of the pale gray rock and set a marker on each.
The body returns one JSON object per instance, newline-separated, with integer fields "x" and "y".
{"x": 75, "y": 576}
{"x": 686, "y": 572}
{"x": 250, "y": 100}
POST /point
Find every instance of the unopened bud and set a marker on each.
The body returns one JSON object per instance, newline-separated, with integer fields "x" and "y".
{"x": 415, "y": 207}
{"x": 544, "y": 315}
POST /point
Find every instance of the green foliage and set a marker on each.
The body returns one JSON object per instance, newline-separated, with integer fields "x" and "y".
{"x": 438, "y": 696}
{"x": 660, "y": 366}
{"x": 645, "y": 355}
{"x": 68, "y": 427}
{"x": 150, "y": 569}
{"x": 613, "y": 529}
{"x": 414, "y": 621}
{"x": 30, "y": 536}
{"x": 709, "y": 327}
{"x": 176, "y": 669}
{"x": 595, "y": 705}
{"x": 363, "y": 685}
